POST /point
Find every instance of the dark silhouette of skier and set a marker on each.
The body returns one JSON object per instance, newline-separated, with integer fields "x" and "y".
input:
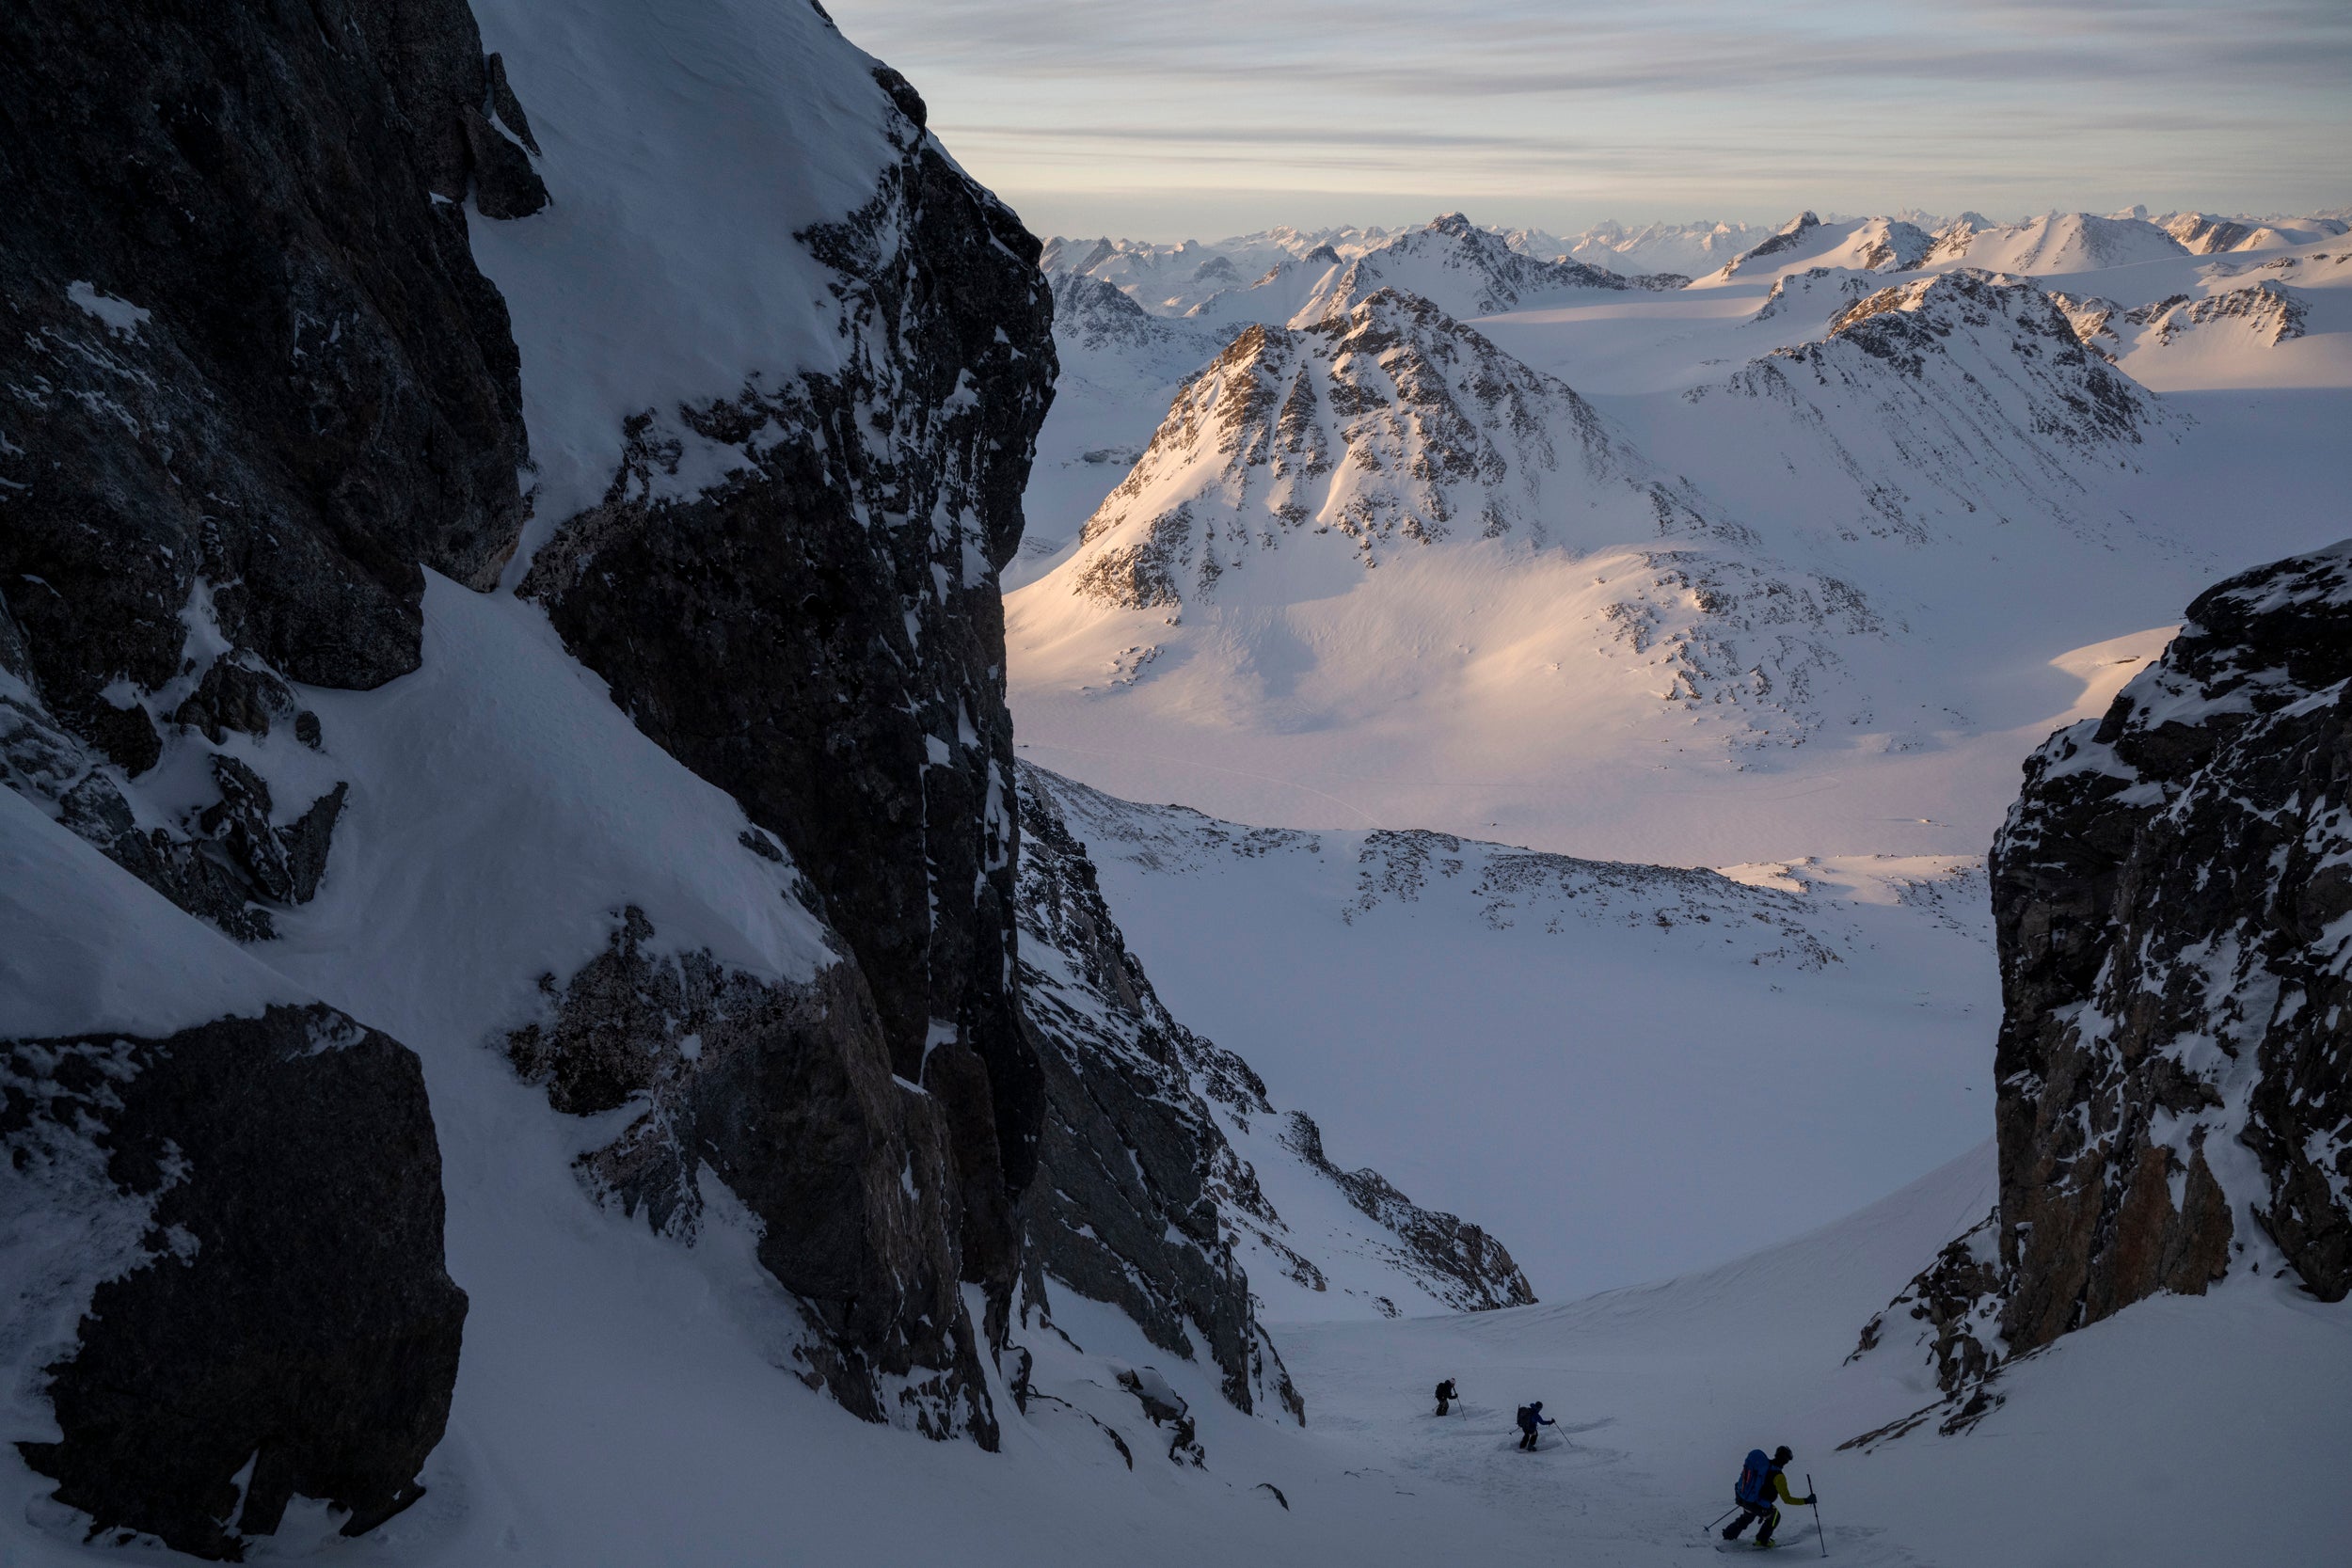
{"x": 1446, "y": 1396}
{"x": 1532, "y": 1422}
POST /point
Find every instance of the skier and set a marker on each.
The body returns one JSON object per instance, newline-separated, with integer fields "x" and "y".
{"x": 1762, "y": 1481}
{"x": 1532, "y": 1419}
{"x": 1446, "y": 1396}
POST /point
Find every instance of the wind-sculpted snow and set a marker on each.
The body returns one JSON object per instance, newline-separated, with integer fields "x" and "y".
{"x": 1170, "y": 1186}
{"x": 2175, "y": 1077}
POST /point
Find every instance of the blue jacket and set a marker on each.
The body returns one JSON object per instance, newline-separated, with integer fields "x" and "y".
{"x": 1530, "y": 1420}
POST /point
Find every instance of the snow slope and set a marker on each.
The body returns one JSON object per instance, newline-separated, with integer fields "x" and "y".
{"x": 2223, "y": 1456}
{"x": 1566, "y": 1048}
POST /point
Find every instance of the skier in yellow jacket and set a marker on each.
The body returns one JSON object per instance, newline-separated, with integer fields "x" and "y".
{"x": 1760, "y": 1491}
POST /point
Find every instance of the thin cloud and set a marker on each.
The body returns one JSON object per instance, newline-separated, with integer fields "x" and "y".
{"x": 1823, "y": 103}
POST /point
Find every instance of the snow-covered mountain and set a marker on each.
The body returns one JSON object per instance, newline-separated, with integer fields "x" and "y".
{"x": 2055, "y": 242}
{"x": 1689, "y": 248}
{"x": 1178, "y": 279}
{"x": 1847, "y": 444}
{"x": 543, "y": 1016}
{"x": 1465, "y": 270}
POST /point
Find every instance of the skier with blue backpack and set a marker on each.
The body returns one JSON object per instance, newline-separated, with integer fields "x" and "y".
{"x": 1763, "y": 1485}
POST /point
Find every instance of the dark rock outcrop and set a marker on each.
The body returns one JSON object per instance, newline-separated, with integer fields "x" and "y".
{"x": 292, "y": 1313}
{"x": 782, "y": 1092}
{"x": 2164, "y": 892}
{"x": 252, "y": 383}
{"x": 1138, "y": 1191}
{"x": 821, "y": 635}
{"x": 1463, "y": 1265}
{"x": 244, "y": 344}
{"x": 2175, "y": 1056}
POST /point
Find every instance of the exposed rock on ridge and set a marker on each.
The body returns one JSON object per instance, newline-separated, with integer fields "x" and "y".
{"x": 1137, "y": 1191}
{"x": 1954, "y": 397}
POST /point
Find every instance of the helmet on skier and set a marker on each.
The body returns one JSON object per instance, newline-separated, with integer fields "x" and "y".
{"x": 1781, "y": 1455}
{"x": 1535, "y": 1404}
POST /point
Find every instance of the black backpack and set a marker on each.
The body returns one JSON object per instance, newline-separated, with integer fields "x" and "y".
{"x": 1526, "y": 1418}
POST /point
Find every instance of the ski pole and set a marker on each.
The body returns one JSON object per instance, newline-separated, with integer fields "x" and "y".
{"x": 1724, "y": 1514}
{"x": 1817, "y": 1527}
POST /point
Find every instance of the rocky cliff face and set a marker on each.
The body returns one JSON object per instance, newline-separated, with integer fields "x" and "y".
{"x": 819, "y": 635}
{"x": 1140, "y": 1191}
{"x": 252, "y": 384}
{"x": 2170, "y": 891}
{"x": 256, "y": 385}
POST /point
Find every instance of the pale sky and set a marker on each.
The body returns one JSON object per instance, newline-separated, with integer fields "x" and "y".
{"x": 1203, "y": 118}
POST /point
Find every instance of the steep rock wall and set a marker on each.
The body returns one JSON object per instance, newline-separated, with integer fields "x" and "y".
{"x": 2175, "y": 1056}
{"x": 819, "y": 633}
{"x": 2168, "y": 893}
{"x": 250, "y": 383}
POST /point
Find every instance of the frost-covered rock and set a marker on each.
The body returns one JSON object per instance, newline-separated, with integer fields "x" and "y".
{"x": 2170, "y": 891}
